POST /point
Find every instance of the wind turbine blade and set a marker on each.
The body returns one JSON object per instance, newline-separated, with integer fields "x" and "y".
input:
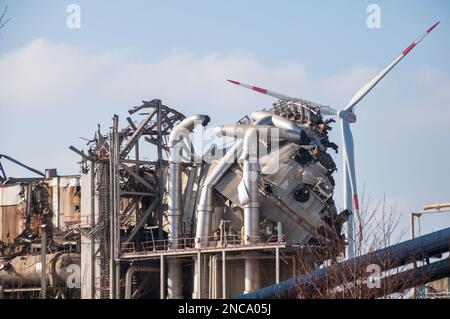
{"x": 260, "y": 90}
{"x": 371, "y": 84}
{"x": 325, "y": 110}
{"x": 349, "y": 162}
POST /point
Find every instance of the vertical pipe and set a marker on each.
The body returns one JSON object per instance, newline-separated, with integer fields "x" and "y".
{"x": 117, "y": 280}
{"x": 210, "y": 279}
{"x": 161, "y": 278}
{"x": 92, "y": 268}
{"x": 277, "y": 265}
{"x": 252, "y": 273}
{"x": 224, "y": 275}
{"x": 176, "y": 139}
{"x": 174, "y": 278}
{"x": 112, "y": 175}
{"x": 174, "y": 211}
{"x": 199, "y": 276}
{"x": 294, "y": 266}
{"x": 280, "y": 239}
{"x": 280, "y": 232}
{"x": 28, "y": 213}
{"x": 249, "y": 198}
{"x": 129, "y": 281}
{"x": 58, "y": 203}
{"x": 117, "y": 206}
{"x": 43, "y": 261}
{"x": 412, "y": 235}
{"x": 412, "y": 230}
{"x": 216, "y": 270}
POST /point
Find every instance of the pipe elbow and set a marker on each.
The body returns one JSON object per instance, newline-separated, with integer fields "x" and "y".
{"x": 186, "y": 126}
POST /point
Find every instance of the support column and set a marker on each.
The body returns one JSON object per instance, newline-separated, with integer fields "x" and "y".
{"x": 92, "y": 222}
{"x": 174, "y": 278}
{"x": 199, "y": 276}
{"x": 161, "y": 278}
{"x": 412, "y": 235}
{"x": 43, "y": 261}
{"x": 117, "y": 247}
{"x": 277, "y": 265}
{"x": 112, "y": 175}
{"x": 224, "y": 275}
{"x": 294, "y": 266}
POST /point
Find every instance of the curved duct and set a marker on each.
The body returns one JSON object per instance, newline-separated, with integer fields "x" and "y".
{"x": 178, "y": 134}
{"x": 205, "y": 206}
{"x": 248, "y": 188}
{"x": 285, "y": 130}
{"x": 175, "y": 144}
{"x": 27, "y": 271}
{"x": 129, "y": 277}
{"x": 249, "y": 192}
{"x": 275, "y": 120}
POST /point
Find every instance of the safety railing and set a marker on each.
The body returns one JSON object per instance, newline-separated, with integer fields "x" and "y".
{"x": 188, "y": 243}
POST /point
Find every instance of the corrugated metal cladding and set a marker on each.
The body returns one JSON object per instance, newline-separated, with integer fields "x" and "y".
{"x": 299, "y": 220}
{"x": 9, "y": 195}
{"x": 228, "y": 185}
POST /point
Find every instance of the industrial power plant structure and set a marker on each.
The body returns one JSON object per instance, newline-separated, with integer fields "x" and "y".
{"x": 253, "y": 217}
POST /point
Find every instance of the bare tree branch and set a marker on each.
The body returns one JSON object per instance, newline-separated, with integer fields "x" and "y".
{"x": 2, "y": 21}
{"x": 382, "y": 229}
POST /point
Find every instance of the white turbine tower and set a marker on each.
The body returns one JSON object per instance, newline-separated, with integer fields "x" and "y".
{"x": 347, "y": 117}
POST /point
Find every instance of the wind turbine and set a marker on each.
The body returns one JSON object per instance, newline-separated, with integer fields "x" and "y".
{"x": 347, "y": 117}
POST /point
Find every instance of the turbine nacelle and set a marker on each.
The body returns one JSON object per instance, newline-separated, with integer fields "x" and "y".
{"x": 347, "y": 116}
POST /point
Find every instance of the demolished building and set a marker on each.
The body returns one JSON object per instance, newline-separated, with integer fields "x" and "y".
{"x": 182, "y": 225}
{"x": 174, "y": 222}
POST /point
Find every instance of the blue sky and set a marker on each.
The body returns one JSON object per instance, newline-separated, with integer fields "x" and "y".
{"x": 57, "y": 83}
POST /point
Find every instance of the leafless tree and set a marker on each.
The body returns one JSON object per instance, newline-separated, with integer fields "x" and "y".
{"x": 3, "y": 20}
{"x": 377, "y": 228}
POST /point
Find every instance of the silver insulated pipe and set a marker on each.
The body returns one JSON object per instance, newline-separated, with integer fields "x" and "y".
{"x": 249, "y": 197}
{"x": 248, "y": 188}
{"x": 175, "y": 144}
{"x": 205, "y": 205}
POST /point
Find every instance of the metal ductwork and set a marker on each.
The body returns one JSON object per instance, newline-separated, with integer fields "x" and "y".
{"x": 175, "y": 144}
{"x": 205, "y": 205}
{"x": 249, "y": 186}
{"x": 249, "y": 193}
{"x": 27, "y": 270}
{"x": 129, "y": 277}
{"x": 249, "y": 198}
{"x": 388, "y": 258}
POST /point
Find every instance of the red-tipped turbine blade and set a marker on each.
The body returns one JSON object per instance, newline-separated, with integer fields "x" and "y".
{"x": 371, "y": 84}
{"x": 260, "y": 90}
{"x": 325, "y": 110}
